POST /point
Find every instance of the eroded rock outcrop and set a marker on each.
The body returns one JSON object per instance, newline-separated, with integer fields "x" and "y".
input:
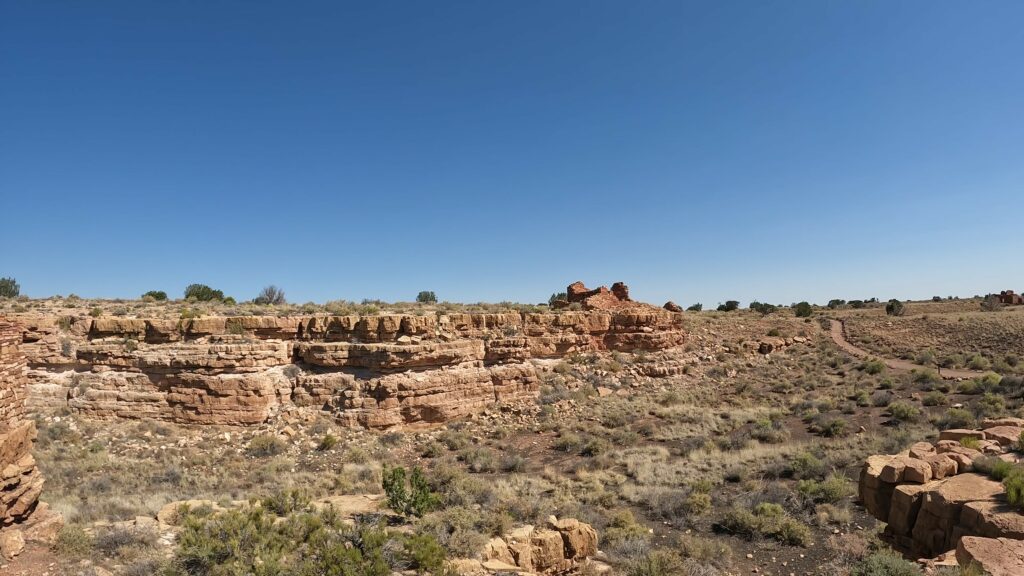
{"x": 21, "y": 515}
{"x": 20, "y": 480}
{"x": 375, "y": 371}
{"x": 934, "y": 500}
{"x": 558, "y": 546}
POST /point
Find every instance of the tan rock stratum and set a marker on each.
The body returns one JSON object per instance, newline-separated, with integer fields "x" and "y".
{"x": 371, "y": 371}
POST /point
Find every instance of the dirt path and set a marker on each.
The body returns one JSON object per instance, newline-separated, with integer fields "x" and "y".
{"x": 838, "y": 332}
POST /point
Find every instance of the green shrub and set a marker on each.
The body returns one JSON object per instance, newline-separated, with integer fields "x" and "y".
{"x": 885, "y": 563}
{"x": 996, "y": 468}
{"x": 989, "y": 405}
{"x": 807, "y": 465}
{"x": 557, "y": 297}
{"x": 829, "y": 491}
{"x": 729, "y": 306}
{"x": 956, "y": 418}
{"x": 763, "y": 308}
{"x": 904, "y": 411}
{"x": 767, "y": 520}
{"x": 895, "y": 308}
{"x": 656, "y": 563}
{"x": 934, "y": 398}
{"x": 202, "y": 293}
{"x": 9, "y": 288}
{"x": 73, "y": 542}
{"x": 697, "y": 503}
{"x": 623, "y": 527}
{"x": 327, "y": 442}
{"x": 802, "y": 310}
{"x": 970, "y": 442}
{"x": 695, "y": 307}
{"x": 1014, "y": 485}
{"x": 287, "y": 501}
{"x": 705, "y": 550}
{"x": 266, "y": 445}
{"x": 873, "y": 366}
{"x": 414, "y": 498}
{"x": 979, "y": 362}
{"x": 158, "y": 295}
{"x": 253, "y": 541}
{"x": 829, "y": 426}
{"x": 426, "y": 297}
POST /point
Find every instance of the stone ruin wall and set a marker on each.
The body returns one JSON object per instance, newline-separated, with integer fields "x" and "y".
{"x": 20, "y": 480}
{"x": 370, "y": 371}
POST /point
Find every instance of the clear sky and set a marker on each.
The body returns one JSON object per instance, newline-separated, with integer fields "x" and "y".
{"x": 699, "y": 151}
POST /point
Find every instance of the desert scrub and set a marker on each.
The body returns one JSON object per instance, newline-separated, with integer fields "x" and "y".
{"x": 934, "y": 398}
{"x": 829, "y": 426}
{"x": 885, "y": 563}
{"x": 255, "y": 541}
{"x": 956, "y": 418}
{"x": 412, "y": 498}
{"x": 830, "y": 490}
{"x": 265, "y": 445}
{"x": 766, "y": 520}
{"x": 904, "y": 411}
{"x": 873, "y": 366}
{"x": 73, "y": 542}
{"x": 328, "y": 442}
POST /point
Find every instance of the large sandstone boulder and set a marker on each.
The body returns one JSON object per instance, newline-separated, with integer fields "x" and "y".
{"x": 996, "y": 556}
{"x": 579, "y": 539}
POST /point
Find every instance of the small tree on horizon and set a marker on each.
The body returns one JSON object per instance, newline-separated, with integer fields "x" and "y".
{"x": 763, "y": 307}
{"x": 802, "y": 309}
{"x": 271, "y": 295}
{"x": 729, "y": 306}
{"x": 895, "y": 308}
{"x": 695, "y": 308}
{"x": 9, "y": 288}
{"x": 203, "y": 293}
{"x": 158, "y": 295}
{"x": 426, "y": 297}
{"x": 556, "y": 297}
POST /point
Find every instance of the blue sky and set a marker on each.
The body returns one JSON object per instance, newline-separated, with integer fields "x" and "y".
{"x": 699, "y": 151}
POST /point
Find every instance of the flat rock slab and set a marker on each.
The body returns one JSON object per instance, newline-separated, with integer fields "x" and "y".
{"x": 996, "y": 556}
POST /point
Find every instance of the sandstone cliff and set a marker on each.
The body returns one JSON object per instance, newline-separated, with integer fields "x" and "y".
{"x": 374, "y": 371}
{"x": 20, "y": 480}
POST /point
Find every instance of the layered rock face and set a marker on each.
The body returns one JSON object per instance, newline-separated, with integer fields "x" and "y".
{"x": 374, "y": 371}
{"x": 20, "y": 481}
{"x": 934, "y": 501}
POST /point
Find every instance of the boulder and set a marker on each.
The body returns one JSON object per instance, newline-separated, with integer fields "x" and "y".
{"x": 672, "y": 307}
{"x": 11, "y": 542}
{"x": 1004, "y": 435}
{"x": 579, "y": 539}
{"x": 548, "y": 549}
{"x": 497, "y": 549}
{"x": 874, "y": 492}
{"x": 996, "y": 556}
{"x": 959, "y": 433}
{"x": 920, "y": 449}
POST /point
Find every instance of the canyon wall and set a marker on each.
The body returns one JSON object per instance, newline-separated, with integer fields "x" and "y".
{"x": 372, "y": 371}
{"x": 20, "y": 481}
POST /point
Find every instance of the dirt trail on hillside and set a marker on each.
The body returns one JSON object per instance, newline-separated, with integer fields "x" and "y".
{"x": 838, "y": 333}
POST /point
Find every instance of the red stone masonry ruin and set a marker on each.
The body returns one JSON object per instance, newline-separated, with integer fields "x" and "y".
{"x": 1010, "y": 298}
